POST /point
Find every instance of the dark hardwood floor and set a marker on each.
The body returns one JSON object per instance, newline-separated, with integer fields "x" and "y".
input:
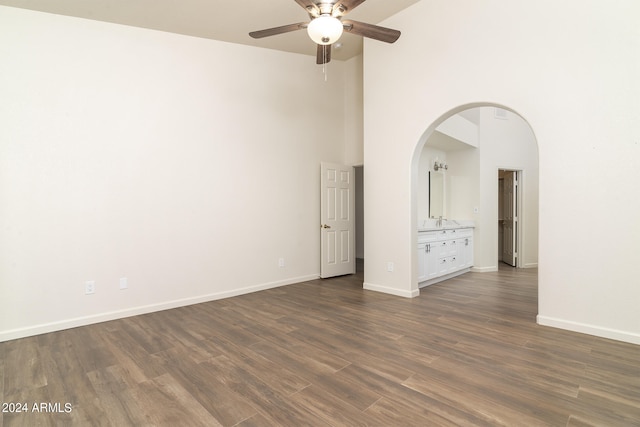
{"x": 466, "y": 352}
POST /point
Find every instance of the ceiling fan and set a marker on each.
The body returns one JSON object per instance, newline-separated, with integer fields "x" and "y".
{"x": 326, "y": 26}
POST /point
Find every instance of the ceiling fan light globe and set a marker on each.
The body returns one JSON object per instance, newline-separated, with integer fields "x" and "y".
{"x": 325, "y": 29}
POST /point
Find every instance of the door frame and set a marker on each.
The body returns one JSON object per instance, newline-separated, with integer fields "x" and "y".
{"x": 520, "y": 217}
{"x": 333, "y": 221}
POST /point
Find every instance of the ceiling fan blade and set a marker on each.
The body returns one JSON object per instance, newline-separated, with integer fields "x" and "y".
{"x": 343, "y": 7}
{"x": 278, "y": 30}
{"x": 309, "y": 6}
{"x": 371, "y": 31}
{"x": 323, "y": 54}
{"x": 306, "y": 3}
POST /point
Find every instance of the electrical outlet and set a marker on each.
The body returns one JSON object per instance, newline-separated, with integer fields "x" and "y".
{"x": 89, "y": 287}
{"x": 123, "y": 283}
{"x": 281, "y": 262}
{"x": 389, "y": 266}
{"x": 476, "y": 210}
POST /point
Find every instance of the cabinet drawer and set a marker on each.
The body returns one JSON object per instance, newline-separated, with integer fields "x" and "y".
{"x": 428, "y": 236}
{"x": 444, "y": 234}
{"x": 465, "y": 232}
{"x": 459, "y": 232}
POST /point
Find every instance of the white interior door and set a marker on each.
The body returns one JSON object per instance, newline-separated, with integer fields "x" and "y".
{"x": 337, "y": 221}
{"x": 510, "y": 216}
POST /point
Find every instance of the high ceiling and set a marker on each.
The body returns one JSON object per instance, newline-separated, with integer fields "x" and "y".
{"x": 229, "y": 20}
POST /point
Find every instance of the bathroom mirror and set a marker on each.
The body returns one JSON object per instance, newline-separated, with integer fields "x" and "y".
{"x": 436, "y": 194}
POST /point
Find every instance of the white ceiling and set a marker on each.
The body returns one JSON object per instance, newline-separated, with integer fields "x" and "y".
{"x": 228, "y": 20}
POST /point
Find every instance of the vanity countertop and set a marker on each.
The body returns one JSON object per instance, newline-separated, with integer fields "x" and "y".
{"x": 446, "y": 227}
{"x": 429, "y": 225}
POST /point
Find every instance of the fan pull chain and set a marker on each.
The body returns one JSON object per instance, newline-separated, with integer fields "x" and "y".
{"x": 324, "y": 61}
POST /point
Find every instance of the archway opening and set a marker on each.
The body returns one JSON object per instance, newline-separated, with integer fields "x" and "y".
{"x": 473, "y": 142}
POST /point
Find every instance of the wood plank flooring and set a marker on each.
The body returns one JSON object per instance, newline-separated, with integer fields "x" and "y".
{"x": 466, "y": 352}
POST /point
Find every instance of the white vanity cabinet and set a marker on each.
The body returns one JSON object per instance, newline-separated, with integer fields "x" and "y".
{"x": 444, "y": 253}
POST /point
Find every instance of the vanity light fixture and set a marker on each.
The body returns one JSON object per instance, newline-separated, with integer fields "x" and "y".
{"x": 440, "y": 165}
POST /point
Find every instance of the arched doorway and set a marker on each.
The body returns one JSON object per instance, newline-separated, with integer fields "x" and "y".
{"x": 476, "y": 141}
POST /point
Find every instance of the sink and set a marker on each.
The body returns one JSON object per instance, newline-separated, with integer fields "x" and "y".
{"x": 429, "y": 223}
{"x": 446, "y": 223}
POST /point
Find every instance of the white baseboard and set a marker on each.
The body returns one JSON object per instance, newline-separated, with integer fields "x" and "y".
{"x": 495, "y": 268}
{"x": 583, "y": 328}
{"x": 135, "y": 311}
{"x": 443, "y": 278}
{"x": 392, "y": 291}
{"x": 484, "y": 269}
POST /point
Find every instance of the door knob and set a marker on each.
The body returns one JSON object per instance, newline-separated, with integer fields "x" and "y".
{"x": 326, "y": 226}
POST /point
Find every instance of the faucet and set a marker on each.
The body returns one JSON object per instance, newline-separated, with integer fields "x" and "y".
{"x": 439, "y": 221}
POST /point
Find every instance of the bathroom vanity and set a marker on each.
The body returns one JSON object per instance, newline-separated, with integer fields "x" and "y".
{"x": 444, "y": 251}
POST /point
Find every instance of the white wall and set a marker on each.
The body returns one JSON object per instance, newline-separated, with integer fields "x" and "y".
{"x": 460, "y": 128}
{"x": 506, "y": 144}
{"x": 570, "y": 70}
{"x": 353, "y": 99}
{"x": 463, "y": 185}
{"x": 189, "y": 166}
